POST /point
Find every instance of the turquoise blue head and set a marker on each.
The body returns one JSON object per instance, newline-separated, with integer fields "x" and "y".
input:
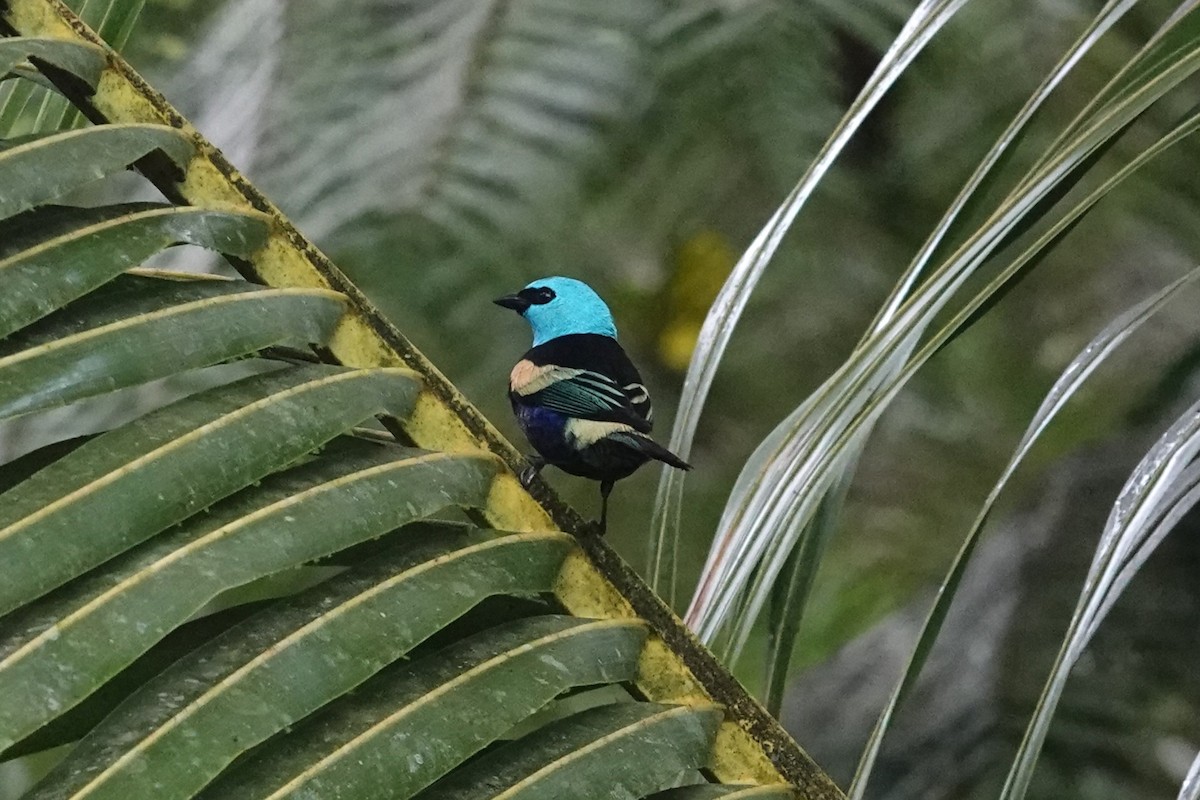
{"x": 559, "y": 306}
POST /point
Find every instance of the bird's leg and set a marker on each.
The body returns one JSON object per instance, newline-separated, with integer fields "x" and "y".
{"x": 536, "y": 463}
{"x": 605, "y": 488}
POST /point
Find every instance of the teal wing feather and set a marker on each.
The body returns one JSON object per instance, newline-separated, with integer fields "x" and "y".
{"x": 590, "y": 395}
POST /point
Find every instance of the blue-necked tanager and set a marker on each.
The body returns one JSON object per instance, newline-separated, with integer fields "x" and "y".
{"x": 576, "y": 395}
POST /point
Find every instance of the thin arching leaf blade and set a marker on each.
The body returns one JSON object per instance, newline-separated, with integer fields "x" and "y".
{"x": 1130, "y": 531}
{"x": 1190, "y": 790}
{"x": 884, "y": 381}
{"x": 1067, "y": 384}
{"x": 924, "y": 23}
{"x": 991, "y": 167}
{"x": 838, "y": 421}
{"x": 791, "y": 597}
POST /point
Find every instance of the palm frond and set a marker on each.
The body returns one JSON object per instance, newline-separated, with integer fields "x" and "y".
{"x": 1190, "y": 790}
{"x": 439, "y": 696}
{"x": 491, "y": 112}
{"x": 1161, "y": 489}
{"x": 1072, "y": 378}
{"x": 718, "y": 327}
{"x": 819, "y": 450}
{"x": 116, "y": 542}
{"x": 813, "y": 535}
{"x": 262, "y": 487}
{"x": 27, "y": 107}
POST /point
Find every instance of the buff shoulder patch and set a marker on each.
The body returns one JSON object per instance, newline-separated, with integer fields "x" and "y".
{"x": 528, "y": 378}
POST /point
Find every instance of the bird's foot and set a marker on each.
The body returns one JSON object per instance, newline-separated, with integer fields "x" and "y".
{"x": 532, "y": 471}
{"x": 595, "y": 528}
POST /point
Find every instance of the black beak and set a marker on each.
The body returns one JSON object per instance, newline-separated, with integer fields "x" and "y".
{"x": 515, "y": 302}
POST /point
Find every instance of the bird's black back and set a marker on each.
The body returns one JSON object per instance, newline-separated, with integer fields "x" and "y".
{"x": 602, "y": 355}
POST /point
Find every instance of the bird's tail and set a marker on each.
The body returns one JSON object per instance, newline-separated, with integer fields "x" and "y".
{"x": 652, "y": 449}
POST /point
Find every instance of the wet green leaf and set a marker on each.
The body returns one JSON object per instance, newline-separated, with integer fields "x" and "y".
{"x": 128, "y": 484}
{"x": 713, "y": 791}
{"x": 82, "y": 60}
{"x": 47, "y": 222}
{"x": 57, "y": 651}
{"x": 410, "y": 726}
{"x": 149, "y": 328}
{"x": 36, "y": 281}
{"x": 46, "y": 167}
{"x": 72, "y": 726}
{"x": 176, "y": 734}
{"x": 613, "y": 752}
{"x": 34, "y": 104}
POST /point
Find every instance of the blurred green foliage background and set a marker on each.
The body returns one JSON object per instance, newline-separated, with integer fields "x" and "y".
{"x": 682, "y": 132}
{"x": 446, "y": 153}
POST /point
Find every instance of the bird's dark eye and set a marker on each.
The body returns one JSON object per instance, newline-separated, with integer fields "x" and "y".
{"x": 537, "y": 295}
